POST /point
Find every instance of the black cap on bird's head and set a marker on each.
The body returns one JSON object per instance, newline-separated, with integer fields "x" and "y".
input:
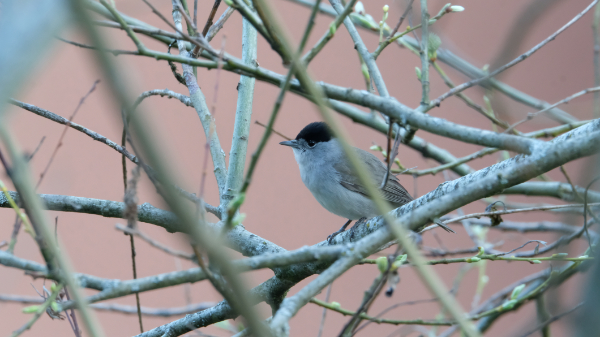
{"x": 312, "y": 134}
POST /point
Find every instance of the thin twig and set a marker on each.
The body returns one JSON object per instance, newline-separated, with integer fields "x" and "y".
{"x": 383, "y": 312}
{"x": 322, "y": 325}
{"x": 521, "y": 246}
{"x": 72, "y": 318}
{"x": 424, "y": 54}
{"x": 62, "y": 135}
{"x": 212, "y": 125}
{"x": 196, "y": 13}
{"x": 552, "y": 320}
{"x": 102, "y": 139}
{"x": 596, "y": 33}
{"x": 136, "y": 232}
{"x": 274, "y": 131}
{"x": 359, "y": 45}
{"x": 586, "y": 209}
{"x": 369, "y": 297}
{"x": 406, "y": 12}
{"x": 333, "y": 27}
{"x": 214, "y": 29}
{"x": 130, "y": 213}
{"x": 345, "y": 312}
{"x": 469, "y": 102}
{"x": 410, "y": 29}
{"x": 119, "y": 308}
{"x": 211, "y": 17}
{"x": 520, "y": 58}
{"x": 199, "y": 41}
{"x": 39, "y": 312}
{"x": 542, "y": 208}
{"x": 187, "y": 18}
{"x": 479, "y": 154}
{"x": 532, "y": 115}
{"x": 17, "y": 224}
{"x": 392, "y": 153}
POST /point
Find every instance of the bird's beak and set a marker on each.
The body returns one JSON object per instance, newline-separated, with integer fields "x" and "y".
{"x": 291, "y": 143}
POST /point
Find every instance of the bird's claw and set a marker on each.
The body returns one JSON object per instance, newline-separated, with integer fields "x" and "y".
{"x": 333, "y": 235}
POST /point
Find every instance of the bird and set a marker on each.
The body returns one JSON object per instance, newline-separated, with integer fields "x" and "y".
{"x": 328, "y": 174}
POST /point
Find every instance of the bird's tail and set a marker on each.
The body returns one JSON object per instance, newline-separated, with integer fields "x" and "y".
{"x": 439, "y": 222}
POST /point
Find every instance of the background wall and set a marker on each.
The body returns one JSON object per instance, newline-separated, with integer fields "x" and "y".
{"x": 278, "y": 206}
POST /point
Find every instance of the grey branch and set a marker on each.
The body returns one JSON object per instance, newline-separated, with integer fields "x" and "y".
{"x": 439, "y": 126}
{"x": 206, "y": 118}
{"x": 243, "y": 117}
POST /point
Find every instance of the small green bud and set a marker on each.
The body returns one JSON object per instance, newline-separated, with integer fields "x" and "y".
{"x": 434, "y": 42}
{"x": 53, "y": 287}
{"x": 382, "y": 264}
{"x": 223, "y": 325}
{"x": 456, "y": 8}
{"x": 517, "y": 291}
{"x": 332, "y": 29}
{"x": 487, "y": 101}
{"x": 238, "y": 219}
{"x": 418, "y": 71}
{"x": 480, "y": 251}
{"x": 509, "y": 305}
{"x": 536, "y": 261}
{"x": 395, "y": 265}
{"x": 386, "y": 8}
{"x": 32, "y": 309}
{"x": 446, "y": 8}
{"x": 335, "y": 305}
{"x": 359, "y": 8}
{"x": 365, "y": 71}
{"x": 55, "y": 306}
{"x": 473, "y": 259}
{"x": 402, "y": 258}
{"x": 238, "y": 201}
{"x": 375, "y": 148}
{"x": 229, "y": 3}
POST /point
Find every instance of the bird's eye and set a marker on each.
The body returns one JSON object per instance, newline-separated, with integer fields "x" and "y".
{"x": 311, "y": 143}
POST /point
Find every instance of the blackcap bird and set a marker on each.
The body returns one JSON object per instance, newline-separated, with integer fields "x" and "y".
{"x": 327, "y": 173}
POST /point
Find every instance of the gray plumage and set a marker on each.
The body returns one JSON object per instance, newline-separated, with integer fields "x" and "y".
{"x": 327, "y": 173}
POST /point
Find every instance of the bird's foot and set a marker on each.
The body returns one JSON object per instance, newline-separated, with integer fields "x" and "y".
{"x": 341, "y": 230}
{"x": 333, "y": 235}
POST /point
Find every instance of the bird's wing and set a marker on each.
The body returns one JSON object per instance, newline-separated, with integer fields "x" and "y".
{"x": 393, "y": 192}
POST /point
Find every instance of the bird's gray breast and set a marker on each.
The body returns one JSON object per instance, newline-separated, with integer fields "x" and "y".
{"x": 323, "y": 180}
